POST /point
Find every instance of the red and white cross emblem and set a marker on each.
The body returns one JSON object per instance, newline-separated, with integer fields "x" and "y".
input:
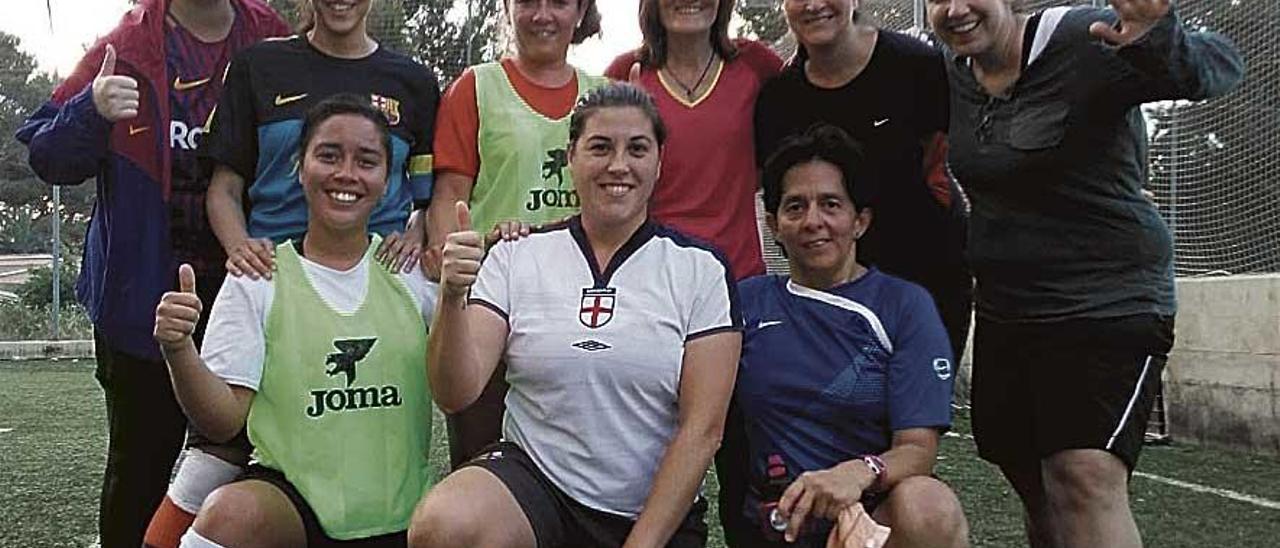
{"x": 597, "y": 306}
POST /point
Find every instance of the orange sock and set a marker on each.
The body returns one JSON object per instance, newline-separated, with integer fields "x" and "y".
{"x": 167, "y": 525}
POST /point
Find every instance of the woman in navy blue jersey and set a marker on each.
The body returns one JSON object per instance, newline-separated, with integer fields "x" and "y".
{"x": 846, "y": 371}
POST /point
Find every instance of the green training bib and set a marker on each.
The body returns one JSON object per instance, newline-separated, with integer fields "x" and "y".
{"x": 524, "y": 156}
{"x": 343, "y": 409}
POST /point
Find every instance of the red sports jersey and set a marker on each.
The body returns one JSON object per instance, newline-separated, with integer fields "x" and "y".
{"x": 708, "y": 183}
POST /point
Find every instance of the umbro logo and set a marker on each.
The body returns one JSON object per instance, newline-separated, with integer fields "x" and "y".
{"x": 591, "y": 345}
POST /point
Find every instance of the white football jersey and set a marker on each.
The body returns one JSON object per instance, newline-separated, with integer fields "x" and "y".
{"x": 594, "y": 354}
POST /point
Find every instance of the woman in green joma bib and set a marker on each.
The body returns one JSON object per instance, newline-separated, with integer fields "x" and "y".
{"x": 500, "y": 147}
{"x": 327, "y": 371}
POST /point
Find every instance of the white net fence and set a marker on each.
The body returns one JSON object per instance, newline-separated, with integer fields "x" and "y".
{"x": 1214, "y": 165}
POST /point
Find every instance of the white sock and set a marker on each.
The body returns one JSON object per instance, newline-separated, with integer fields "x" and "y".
{"x": 193, "y": 540}
{"x": 198, "y": 475}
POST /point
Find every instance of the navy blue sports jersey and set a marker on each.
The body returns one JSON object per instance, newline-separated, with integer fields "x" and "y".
{"x": 195, "y": 70}
{"x": 258, "y": 124}
{"x": 827, "y": 376}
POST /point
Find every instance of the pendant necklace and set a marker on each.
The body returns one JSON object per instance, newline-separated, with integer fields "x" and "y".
{"x": 688, "y": 90}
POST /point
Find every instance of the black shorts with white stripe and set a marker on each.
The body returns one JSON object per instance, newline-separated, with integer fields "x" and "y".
{"x": 1041, "y": 388}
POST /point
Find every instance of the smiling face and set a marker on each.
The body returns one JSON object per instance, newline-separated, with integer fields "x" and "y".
{"x": 340, "y": 17}
{"x": 688, "y": 16}
{"x": 971, "y": 27}
{"x": 344, "y": 172}
{"x": 819, "y": 22}
{"x": 544, "y": 28}
{"x": 817, "y": 223}
{"x": 615, "y": 163}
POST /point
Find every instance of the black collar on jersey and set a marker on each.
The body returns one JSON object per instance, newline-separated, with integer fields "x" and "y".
{"x": 637, "y": 239}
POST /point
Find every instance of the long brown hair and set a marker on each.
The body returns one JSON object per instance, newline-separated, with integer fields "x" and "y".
{"x": 653, "y": 51}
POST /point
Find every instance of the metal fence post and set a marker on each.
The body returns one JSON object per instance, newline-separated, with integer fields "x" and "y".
{"x": 57, "y": 259}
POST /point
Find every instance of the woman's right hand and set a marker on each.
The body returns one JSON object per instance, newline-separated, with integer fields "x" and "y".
{"x": 460, "y": 260}
{"x": 507, "y": 231}
{"x": 252, "y": 257}
{"x": 178, "y": 312}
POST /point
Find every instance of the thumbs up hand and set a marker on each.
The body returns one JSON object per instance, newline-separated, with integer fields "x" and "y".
{"x": 178, "y": 313}
{"x": 115, "y": 97}
{"x": 463, "y": 251}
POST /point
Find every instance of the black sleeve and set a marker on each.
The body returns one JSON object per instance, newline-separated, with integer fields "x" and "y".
{"x": 936, "y": 98}
{"x": 232, "y": 137}
{"x": 766, "y": 128}
{"x": 420, "y": 165}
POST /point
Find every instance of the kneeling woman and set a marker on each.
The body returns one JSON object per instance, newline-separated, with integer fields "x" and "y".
{"x": 327, "y": 366}
{"x": 846, "y": 375}
{"x": 620, "y": 338}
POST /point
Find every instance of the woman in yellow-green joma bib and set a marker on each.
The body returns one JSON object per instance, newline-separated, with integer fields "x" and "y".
{"x": 323, "y": 363}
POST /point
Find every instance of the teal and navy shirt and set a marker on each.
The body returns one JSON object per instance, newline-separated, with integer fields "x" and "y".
{"x": 257, "y": 126}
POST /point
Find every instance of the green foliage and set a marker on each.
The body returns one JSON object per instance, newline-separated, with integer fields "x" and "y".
{"x": 37, "y": 292}
{"x": 22, "y": 90}
{"x": 26, "y": 203}
{"x": 765, "y": 23}
{"x": 446, "y": 35}
{"x": 23, "y": 323}
{"x": 451, "y": 44}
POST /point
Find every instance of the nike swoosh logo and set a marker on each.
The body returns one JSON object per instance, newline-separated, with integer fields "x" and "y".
{"x": 179, "y": 85}
{"x": 137, "y": 130}
{"x": 772, "y": 323}
{"x": 282, "y": 100}
{"x": 879, "y": 123}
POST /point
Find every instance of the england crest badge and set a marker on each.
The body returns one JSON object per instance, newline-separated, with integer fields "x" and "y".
{"x": 597, "y": 306}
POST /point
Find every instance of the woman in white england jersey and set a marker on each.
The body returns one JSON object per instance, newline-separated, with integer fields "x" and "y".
{"x": 620, "y": 337}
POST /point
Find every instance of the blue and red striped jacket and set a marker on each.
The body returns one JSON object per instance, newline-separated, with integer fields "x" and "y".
{"x": 128, "y": 257}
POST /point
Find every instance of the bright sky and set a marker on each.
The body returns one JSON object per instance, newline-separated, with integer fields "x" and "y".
{"x": 76, "y": 23}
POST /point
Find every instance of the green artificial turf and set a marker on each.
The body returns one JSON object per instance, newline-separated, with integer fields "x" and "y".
{"x": 51, "y": 464}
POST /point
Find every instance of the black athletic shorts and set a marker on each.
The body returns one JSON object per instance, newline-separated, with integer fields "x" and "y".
{"x": 1040, "y": 388}
{"x": 559, "y": 521}
{"x": 316, "y": 537}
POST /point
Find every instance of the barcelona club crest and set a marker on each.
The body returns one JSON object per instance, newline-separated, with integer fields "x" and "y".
{"x": 597, "y": 306}
{"x": 389, "y": 108}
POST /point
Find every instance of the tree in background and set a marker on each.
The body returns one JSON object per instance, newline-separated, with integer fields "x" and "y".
{"x": 26, "y": 203}
{"x": 447, "y": 35}
{"x": 762, "y": 20}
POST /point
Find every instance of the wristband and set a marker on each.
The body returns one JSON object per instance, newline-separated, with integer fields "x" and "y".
{"x": 877, "y": 467}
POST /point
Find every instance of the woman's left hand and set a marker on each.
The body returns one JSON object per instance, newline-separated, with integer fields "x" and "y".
{"x": 1136, "y": 18}
{"x": 822, "y": 493}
